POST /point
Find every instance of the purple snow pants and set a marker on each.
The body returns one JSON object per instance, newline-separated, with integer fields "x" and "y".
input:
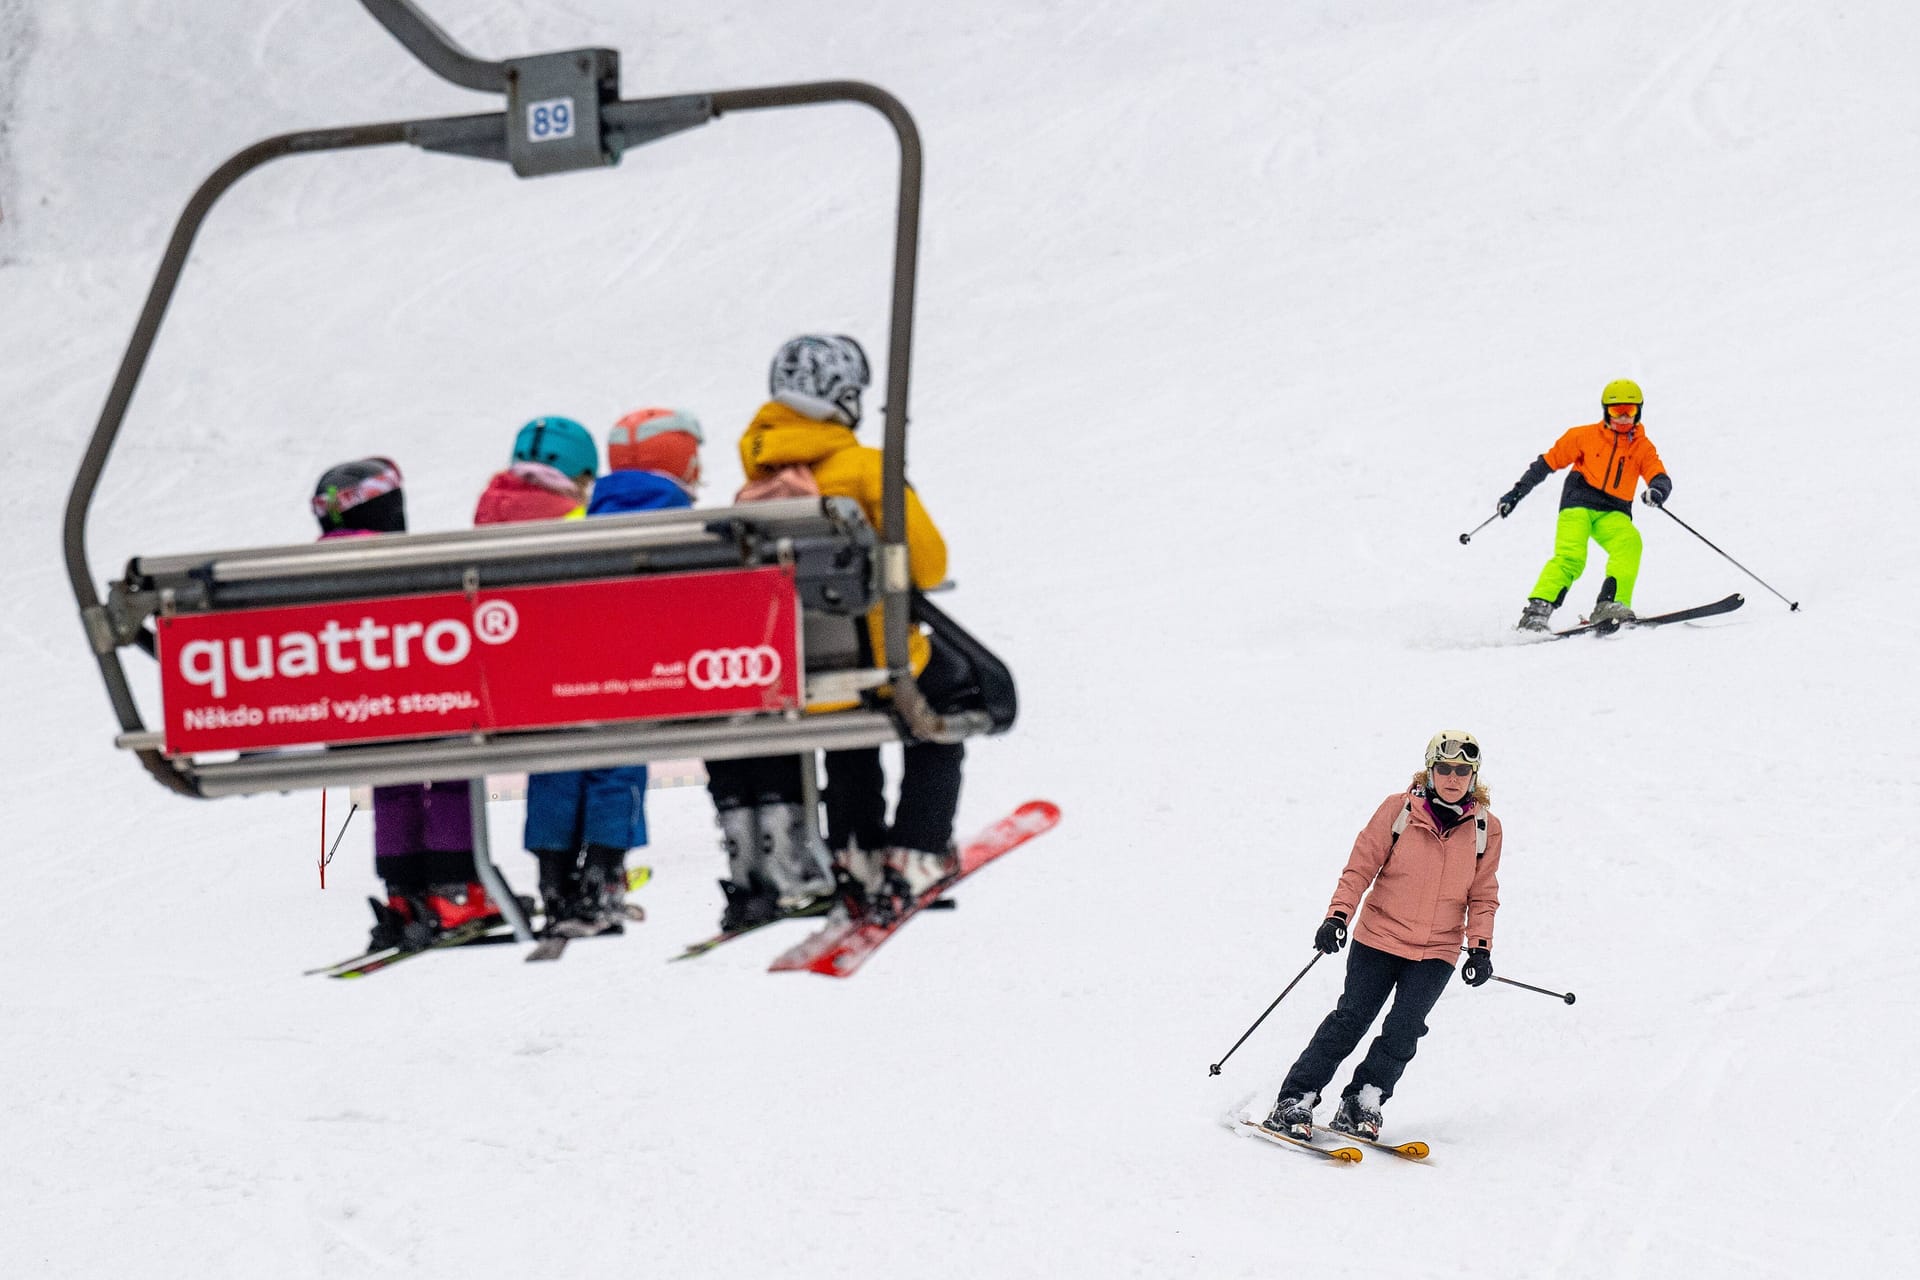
{"x": 422, "y": 835}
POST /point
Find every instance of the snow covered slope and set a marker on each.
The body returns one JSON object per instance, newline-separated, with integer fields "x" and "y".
{"x": 1232, "y": 317}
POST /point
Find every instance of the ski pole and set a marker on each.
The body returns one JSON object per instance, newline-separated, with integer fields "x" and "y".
{"x": 1561, "y": 995}
{"x": 1214, "y": 1070}
{"x": 1793, "y": 606}
{"x": 1465, "y": 538}
{"x": 1558, "y": 995}
{"x": 328, "y": 860}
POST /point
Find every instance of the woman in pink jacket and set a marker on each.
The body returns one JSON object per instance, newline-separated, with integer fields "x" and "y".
{"x": 1432, "y": 857}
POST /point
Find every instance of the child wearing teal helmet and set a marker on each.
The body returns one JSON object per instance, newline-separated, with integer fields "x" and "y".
{"x": 560, "y": 443}
{"x": 551, "y": 475}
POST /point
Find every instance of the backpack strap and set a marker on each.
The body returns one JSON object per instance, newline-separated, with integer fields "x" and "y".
{"x": 1400, "y": 824}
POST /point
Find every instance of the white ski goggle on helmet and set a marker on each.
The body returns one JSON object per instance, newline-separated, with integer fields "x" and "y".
{"x": 1452, "y": 744}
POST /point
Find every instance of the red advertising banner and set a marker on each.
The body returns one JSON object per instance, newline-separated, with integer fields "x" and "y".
{"x": 667, "y": 647}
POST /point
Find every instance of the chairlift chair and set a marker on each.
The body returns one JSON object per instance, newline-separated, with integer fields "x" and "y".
{"x": 743, "y": 614}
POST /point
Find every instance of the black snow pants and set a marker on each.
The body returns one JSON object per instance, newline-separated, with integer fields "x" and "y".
{"x": 756, "y": 780}
{"x": 1372, "y": 975}
{"x": 929, "y": 784}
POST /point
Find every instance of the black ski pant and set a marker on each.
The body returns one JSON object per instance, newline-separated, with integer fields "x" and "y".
{"x": 1372, "y": 976}
{"x": 929, "y": 795}
{"x": 929, "y": 782}
{"x": 755, "y": 780}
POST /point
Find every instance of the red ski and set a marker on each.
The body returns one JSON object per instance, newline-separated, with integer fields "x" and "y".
{"x": 842, "y": 947}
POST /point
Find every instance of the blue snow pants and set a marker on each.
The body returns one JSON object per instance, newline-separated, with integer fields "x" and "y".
{"x": 567, "y": 811}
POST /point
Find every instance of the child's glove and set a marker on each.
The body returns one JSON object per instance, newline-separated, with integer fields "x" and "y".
{"x": 1657, "y": 490}
{"x": 1511, "y": 499}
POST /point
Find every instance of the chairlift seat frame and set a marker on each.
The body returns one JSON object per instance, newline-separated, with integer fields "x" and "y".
{"x": 840, "y": 565}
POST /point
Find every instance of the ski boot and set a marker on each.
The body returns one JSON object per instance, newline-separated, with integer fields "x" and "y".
{"x": 861, "y": 879}
{"x": 904, "y": 877}
{"x": 792, "y": 857}
{"x": 603, "y": 883}
{"x": 1611, "y": 613}
{"x": 1535, "y": 616}
{"x": 399, "y": 922}
{"x": 1292, "y": 1116}
{"x": 583, "y": 893}
{"x": 411, "y": 919}
{"x": 1359, "y": 1114}
{"x": 561, "y": 896}
{"x": 913, "y": 872}
{"x": 749, "y": 905}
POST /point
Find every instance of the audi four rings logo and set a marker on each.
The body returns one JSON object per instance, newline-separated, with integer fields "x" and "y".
{"x": 734, "y": 668}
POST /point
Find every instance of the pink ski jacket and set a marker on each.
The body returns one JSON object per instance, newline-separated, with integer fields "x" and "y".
{"x": 1429, "y": 891}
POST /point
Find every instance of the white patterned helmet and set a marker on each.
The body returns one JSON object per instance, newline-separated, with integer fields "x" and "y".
{"x": 821, "y": 376}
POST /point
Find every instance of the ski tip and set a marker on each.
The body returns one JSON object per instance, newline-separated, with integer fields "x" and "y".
{"x": 1414, "y": 1150}
{"x": 1347, "y": 1155}
{"x": 1039, "y": 814}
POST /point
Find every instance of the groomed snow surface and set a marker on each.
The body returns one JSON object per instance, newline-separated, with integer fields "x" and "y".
{"x": 1232, "y": 317}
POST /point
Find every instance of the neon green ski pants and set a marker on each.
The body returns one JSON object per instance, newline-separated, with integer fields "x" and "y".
{"x": 1615, "y": 534}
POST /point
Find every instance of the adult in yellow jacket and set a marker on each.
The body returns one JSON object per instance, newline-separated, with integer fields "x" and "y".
{"x": 815, "y": 382}
{"x": 1608, "y": 458}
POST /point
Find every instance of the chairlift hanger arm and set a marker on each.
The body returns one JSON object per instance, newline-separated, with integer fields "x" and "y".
{"x": 919, "y": 716}
{"x": 425, "y": 40}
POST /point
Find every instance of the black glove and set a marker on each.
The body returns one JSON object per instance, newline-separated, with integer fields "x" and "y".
{"x": 1332, "y": 935}
{"x": 1478, "y": 968}
{"x": 1657, "y": 490}
{"x": 1536, "y": 471}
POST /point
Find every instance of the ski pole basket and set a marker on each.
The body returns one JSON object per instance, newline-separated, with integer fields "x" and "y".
{"x": 545, "y": 646}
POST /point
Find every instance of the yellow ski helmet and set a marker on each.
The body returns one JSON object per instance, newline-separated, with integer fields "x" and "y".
{"x": 1621, "y": 391}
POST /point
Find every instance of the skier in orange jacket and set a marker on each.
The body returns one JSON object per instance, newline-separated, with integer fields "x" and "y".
{"x": 1609, "y": 458}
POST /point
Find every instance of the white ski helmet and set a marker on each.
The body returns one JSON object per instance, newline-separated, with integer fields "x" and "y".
{"x": 821, "y": 375}
{"x": 1452, "y": 745}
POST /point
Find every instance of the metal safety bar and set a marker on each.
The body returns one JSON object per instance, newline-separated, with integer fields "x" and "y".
{"x": 827, "y": 541}
{"x": 491, "y": 543}
{"x": 552, "y": 751}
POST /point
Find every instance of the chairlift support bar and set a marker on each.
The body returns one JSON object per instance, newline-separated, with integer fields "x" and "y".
{"x": 425, "y": 40}
{"x": 589, "y": 81}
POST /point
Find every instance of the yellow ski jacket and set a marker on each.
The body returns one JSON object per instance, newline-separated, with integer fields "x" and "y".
{"x": 844, "y": 468}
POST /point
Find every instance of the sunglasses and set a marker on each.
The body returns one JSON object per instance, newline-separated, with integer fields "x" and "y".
{"x": 1454, "y": 770}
